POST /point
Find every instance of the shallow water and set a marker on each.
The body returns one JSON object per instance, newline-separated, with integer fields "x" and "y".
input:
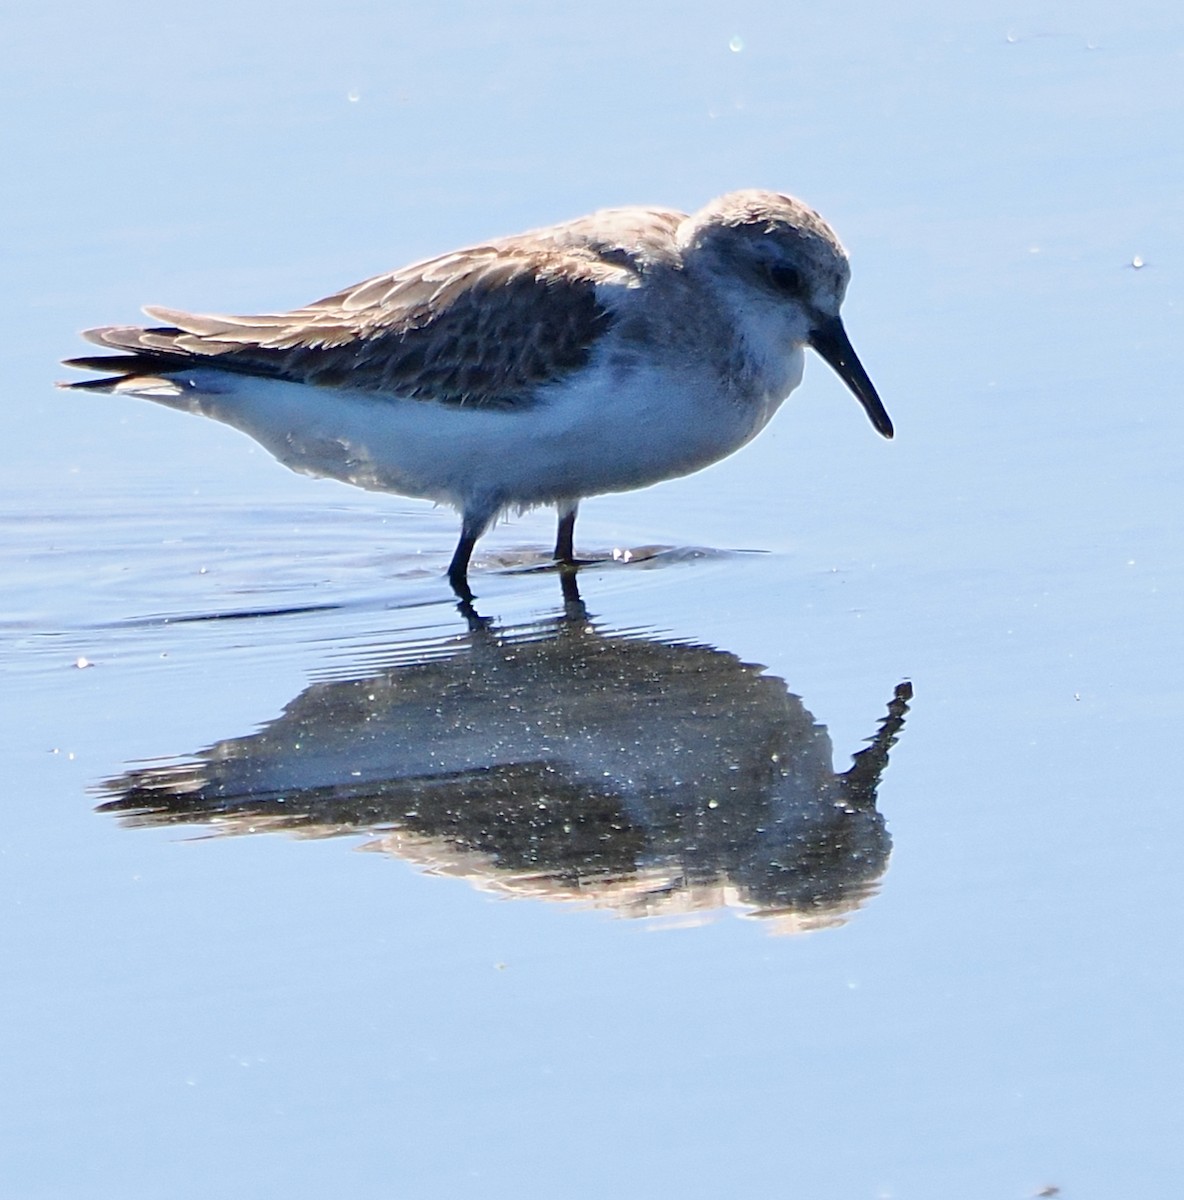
{"x": 626, "y": 917}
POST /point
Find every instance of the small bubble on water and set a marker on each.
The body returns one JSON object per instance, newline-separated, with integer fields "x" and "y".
{"x": 736, "y": 43}
{"x": 353, "y": 95}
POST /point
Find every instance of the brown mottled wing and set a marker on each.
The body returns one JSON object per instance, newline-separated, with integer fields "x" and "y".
{"x": 485, "y": 326}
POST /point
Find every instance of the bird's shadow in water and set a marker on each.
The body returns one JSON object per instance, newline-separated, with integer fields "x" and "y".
{"x": 562, "y": 761}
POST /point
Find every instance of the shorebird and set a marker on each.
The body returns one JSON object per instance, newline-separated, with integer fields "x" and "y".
{"x": 599, "y": 355}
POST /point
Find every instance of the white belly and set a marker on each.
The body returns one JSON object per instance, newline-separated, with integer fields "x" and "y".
{"x": 601, "y": 434}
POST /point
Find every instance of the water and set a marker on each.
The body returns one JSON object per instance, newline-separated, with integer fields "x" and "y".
{"x": 328, "y": 945}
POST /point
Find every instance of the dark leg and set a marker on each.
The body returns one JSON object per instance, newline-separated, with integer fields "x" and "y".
{"x": 565, "y": 555}
{"x": 565, "y": 539}
{"x": 472, "y": 527}
{"x": 458, "y": 569}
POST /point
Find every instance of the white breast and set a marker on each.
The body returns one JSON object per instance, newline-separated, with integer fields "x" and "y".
{"x": 604, "y": 430}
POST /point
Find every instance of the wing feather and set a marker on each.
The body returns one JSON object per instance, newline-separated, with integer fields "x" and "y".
{"x": 485, "y": 326}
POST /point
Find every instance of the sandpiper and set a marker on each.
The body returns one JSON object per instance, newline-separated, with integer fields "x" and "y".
{"x": 606, "y": 353}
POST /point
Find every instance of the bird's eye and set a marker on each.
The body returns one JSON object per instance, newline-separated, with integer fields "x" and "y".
{"x": 787, "y": 280}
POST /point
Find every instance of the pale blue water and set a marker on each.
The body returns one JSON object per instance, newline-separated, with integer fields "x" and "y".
{"x": 472, "y": 1006}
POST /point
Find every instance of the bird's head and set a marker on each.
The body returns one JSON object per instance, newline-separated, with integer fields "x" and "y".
{"x": 780, "y": 269}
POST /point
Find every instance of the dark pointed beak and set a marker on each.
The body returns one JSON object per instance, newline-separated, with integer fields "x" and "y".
{"x": 830, "y": 340}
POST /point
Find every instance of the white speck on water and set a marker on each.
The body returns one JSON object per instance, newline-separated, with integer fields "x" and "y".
{"x": 353, "y": 95}
{"x": 736, "y": 43}
{"x": 83, "y": 663}
{"x": 1138, "y": 263}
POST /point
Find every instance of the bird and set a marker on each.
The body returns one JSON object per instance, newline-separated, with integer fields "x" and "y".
{"x": 602, "y": 354}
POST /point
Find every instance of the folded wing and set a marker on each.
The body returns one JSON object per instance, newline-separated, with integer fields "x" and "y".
{"x": 485, "y": 326}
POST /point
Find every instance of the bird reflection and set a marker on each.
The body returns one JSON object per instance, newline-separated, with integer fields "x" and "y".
{"x": 561, "y": 761}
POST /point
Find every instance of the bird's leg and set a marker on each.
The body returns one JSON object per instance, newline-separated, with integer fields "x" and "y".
{"x": 568, "y": 564}
{"x": 565, "y": 538}
{"x": 458, "y": 569}
{"x": 472, "y": 526}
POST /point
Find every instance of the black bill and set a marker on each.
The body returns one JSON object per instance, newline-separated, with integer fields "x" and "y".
{"x": 831, "y": 341}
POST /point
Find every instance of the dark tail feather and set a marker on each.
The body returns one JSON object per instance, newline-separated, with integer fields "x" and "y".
{"x": 148, "y": 354}
{"x": 92, "y": 385}
{"x": 123, "y": 368}
{"x": 129, "y": 364}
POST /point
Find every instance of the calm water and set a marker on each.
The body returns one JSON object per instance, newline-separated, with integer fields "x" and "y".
{"x": 312, "y": 886}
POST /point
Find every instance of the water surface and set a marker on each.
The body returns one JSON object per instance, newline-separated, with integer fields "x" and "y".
{"x": 965, "y": 984}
